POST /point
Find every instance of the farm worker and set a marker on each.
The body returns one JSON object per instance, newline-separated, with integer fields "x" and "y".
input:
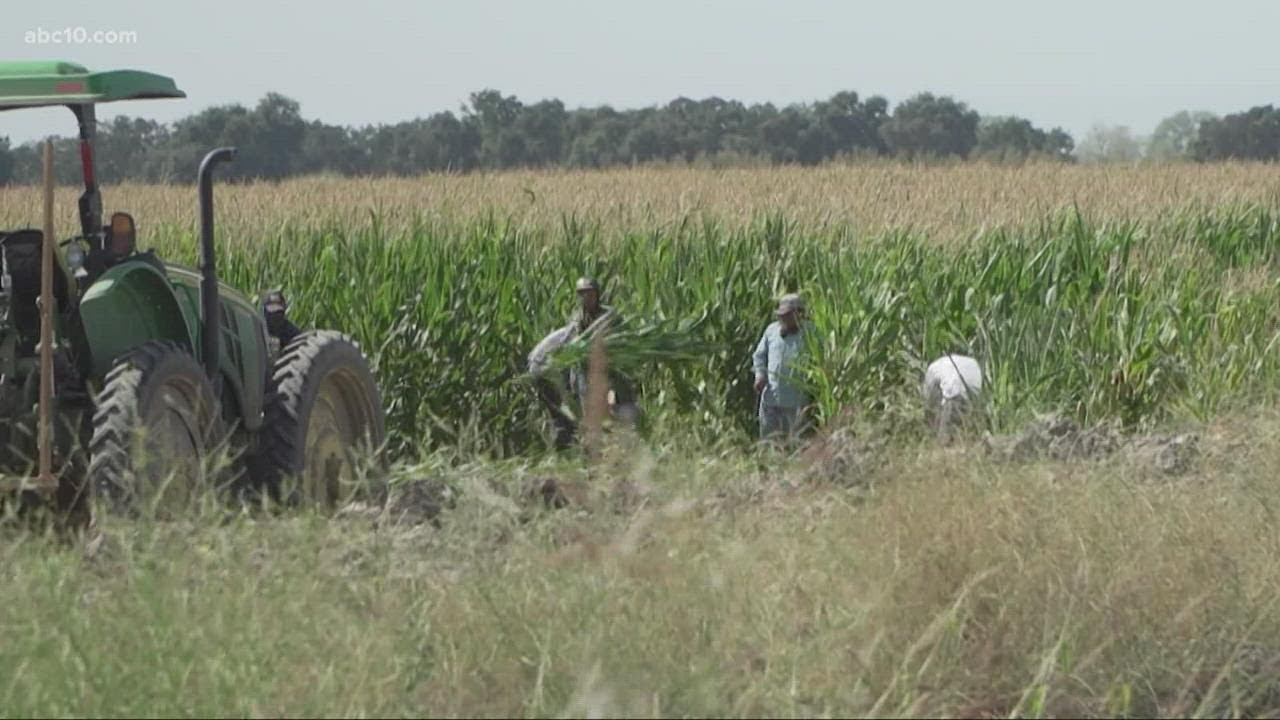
{"x": 274, "y": 307}
{"x": 592, "y": 315}
{"x": 950, "y": 384}
{"x": 783, "y": 405}
{"x": 550, "y": 389}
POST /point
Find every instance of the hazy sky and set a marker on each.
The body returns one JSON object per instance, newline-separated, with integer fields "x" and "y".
{"x": 1064, "y": 63}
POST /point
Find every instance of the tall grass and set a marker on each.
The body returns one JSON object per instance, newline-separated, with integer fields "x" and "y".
{"x": 932, "y": 584}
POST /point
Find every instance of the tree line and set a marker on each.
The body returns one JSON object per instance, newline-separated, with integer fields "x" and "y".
{"x": 497, "y": 131}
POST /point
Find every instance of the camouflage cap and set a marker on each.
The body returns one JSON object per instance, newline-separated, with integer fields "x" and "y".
{"x": 791, "y": 302}
{"x": 586, "y": 283}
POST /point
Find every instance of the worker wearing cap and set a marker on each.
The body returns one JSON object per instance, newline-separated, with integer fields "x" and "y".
{"x": 783, "y": 404}
{"x": 593, "y": 315}
{"x": 591, "y": 309}
{"x": 274, "y": 307}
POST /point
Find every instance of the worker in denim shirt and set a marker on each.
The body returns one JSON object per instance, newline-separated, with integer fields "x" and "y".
{"x": 783, "y": 405}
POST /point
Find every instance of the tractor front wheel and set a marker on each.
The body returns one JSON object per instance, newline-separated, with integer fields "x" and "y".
{"x": 155, "y": 425}
{"x": 324, "y": 424}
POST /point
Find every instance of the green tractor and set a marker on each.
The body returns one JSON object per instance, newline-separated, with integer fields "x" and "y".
{"x": 137, "y": 372}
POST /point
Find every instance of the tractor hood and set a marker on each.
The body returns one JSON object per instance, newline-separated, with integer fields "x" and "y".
{"x": 189, "y": 278}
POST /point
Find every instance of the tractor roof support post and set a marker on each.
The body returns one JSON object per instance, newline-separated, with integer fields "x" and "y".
{"x": 90, "y": 200}
{"x": 44, "y": 437}
{"x": 209, "y": 303}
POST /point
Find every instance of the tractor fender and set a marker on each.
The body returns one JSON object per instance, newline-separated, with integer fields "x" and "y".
{"x": 133, "y": 303}
{"x": 128, "y": 305}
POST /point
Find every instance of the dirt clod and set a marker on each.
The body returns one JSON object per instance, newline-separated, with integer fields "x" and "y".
{"x": 546, "y": 490}
{"x": 842, "y": 456}
{"x": 1055, "y": 437}
{"x": 1168, "y": 454}
{"x": 418, "y": 501}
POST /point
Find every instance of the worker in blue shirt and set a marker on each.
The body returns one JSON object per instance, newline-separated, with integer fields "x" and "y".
{"x": 783, "y": 404}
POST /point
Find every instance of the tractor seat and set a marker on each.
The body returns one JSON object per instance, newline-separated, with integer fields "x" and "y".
{"x": 22, "y": 257}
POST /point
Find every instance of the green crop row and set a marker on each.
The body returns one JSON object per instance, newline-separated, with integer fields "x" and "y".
{"x": 1131, "y": 322}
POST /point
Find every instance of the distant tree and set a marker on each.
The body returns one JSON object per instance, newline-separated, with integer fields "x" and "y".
{"x": 1014, "y": 138}
{"x": 544, "y": 127}
{"x": 651, "y": 138}
{"x": 124, "y": 145}
{"x": 440, "y": 142}
{"x": 195, "y": 135}
{"x": 781, "y": 134}
{"x": 713, "y": 128}
{"x": 851, "y": 125}
{"x": 270, "y": 139}
{"x": 796, "y": 136}
{"x": 495, "y": 116}
{"x": 23, "y": 163}
{"x": 494, "y": 130}
{"x": 334, "y": 149}
{"x": 678, "y": 121}
{"x": 731, "y": 131}
{"x": 931, "y": 126}
{"x": 598, "y": 137}
{"x": 459, "y": 142}
{"x": 1174, "y": 138}
{"x": 1250, "y": 135}
{"x": 747, "y": 141}
{"x": 28, "y": 166}
{"x": 275, "y": 136}
{"x": 1060, "y": 144}
{"x": 1109, "y": 143}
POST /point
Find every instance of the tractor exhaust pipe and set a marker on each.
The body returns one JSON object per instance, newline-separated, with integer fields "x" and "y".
{"x": 208, "y": 265}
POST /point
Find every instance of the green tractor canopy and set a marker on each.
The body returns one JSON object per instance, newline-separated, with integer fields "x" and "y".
{"x": 50, "y": 83}
{"x": 37, "y": 84}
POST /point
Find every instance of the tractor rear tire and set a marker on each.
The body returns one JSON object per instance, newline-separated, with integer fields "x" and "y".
{"x": 324, "y": 425}
{"x": 155, "y": 426}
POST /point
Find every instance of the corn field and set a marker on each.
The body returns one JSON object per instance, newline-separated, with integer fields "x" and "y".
{"x": 680, "y": 577}
{"x": 1127, "y": 294}
{"x": 946, "y": 201}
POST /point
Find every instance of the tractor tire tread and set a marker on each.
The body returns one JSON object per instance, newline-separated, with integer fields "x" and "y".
{"x": 288, "y": 388}
{"x": 115, "y": 417}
